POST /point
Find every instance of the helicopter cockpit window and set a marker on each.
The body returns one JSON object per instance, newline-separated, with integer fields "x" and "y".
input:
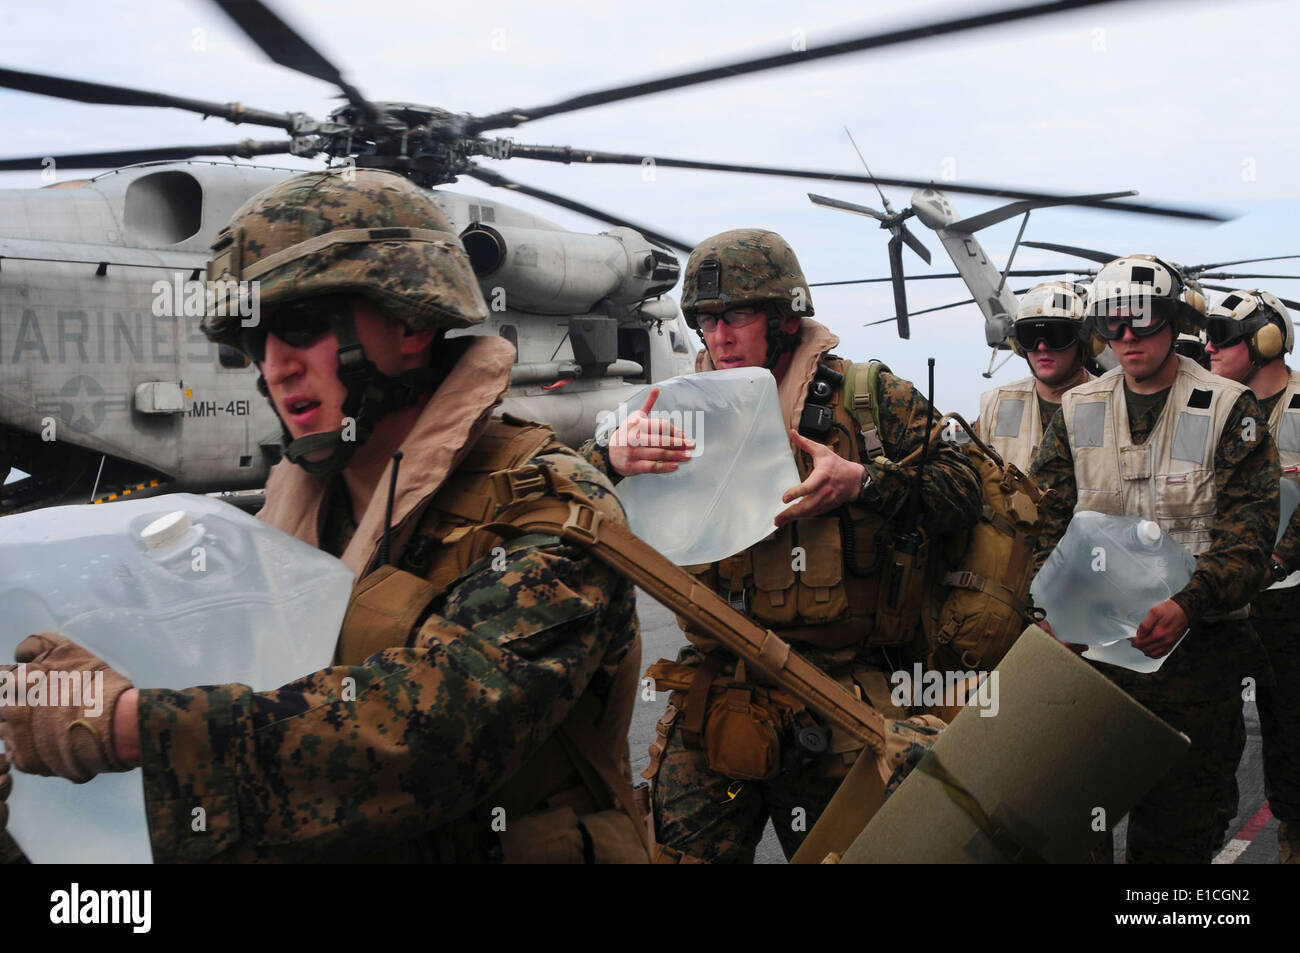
{"x": 231, "y": 357}
{"x": 164, "y": 208}
{"x": 678, "y": 344}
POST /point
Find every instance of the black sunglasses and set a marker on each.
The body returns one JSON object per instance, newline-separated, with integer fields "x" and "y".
{"x": 1058, "y": 334}
{"x": 299, "y": 324}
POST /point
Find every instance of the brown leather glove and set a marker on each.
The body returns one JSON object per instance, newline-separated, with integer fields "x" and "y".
{"x": 49, "y": 739}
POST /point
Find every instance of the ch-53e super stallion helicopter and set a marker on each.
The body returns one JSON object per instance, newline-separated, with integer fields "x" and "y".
{"x": 988, "y": 286}
{"x": 106, "y": 383}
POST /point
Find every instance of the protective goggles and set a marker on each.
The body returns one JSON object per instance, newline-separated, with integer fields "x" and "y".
{"x": 1143, "y": 318}
{"x": 737, "y": 318}
{"x": 299, "y": 324}
{"x": 1229, "y": 332}
{"x": 1057, "y": 335}
{"x": 1189, "y": 348}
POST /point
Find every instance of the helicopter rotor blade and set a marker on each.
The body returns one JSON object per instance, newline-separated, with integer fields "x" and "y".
{"x": 847, "y": 206}
{"x": 244, "y": 149}
{"x": 83, "y": 91}
{"x": 914, "y": 243}
{"x": 940, "y": 307}
{"x": 1198, "y": 269}
{"x": 513, "y": 117}
{"x": 1233, "y": 276}
{"x": 1101, "y": 257}
{"x": 499, "y": 180}
{"x": 284, "y": 45}
{"x": 566, "y": 154}
{"x": 900, "y": 286}
{"x": 1018, "y": 273}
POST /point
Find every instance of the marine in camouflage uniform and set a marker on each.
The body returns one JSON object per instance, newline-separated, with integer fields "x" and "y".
{"x": 1198, "y": 690}
{"x": 479, "y": 705}
{"x": 715, "y": 788}
{"x": 1250, "y": 333}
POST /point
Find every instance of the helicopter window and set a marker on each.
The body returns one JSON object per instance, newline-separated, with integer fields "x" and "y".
{"x": 634, "y": 345}
{"x": 676, "y": 339}
{"x": 164, "y": 208}
{"x": 508, "y": 332}
{"x": 231, "y": 357}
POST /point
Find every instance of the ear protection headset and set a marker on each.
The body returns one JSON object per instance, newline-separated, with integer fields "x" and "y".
{"x": 1267, "y": 325}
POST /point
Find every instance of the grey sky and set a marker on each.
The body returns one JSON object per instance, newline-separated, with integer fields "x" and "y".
{"x": 1188, "y": 102}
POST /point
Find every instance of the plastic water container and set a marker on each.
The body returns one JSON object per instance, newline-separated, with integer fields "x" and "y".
{"x": 723, "y": 499}
{"x": 172, "y": 591}
{"x": 1101, "y": 580}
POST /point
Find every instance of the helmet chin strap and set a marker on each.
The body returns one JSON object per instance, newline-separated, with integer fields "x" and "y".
{"x": 778, "y": 342}
{"x": 369, "y": 396}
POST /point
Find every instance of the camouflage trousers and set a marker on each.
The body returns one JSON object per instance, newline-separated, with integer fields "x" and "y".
{"x": 719, "y": 820}
{"x": 1278, "y": 698}
{"x": 716, "y": 819}
{"x": 1185, "y": 817}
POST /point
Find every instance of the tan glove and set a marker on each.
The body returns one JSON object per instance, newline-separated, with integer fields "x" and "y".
{"x": 60, "y": 740}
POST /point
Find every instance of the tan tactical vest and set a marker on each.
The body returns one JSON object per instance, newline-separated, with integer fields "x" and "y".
{"x": 1012, "y": 423}
{"x": 815, "y": 580}
{"x": 1284, "y": 424}
{"x": 1170, "y": 478}
{"x": 559, "y": 805}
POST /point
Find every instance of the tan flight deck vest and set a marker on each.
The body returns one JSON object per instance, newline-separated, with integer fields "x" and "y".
{"x": 561, "y": 797}
{"x": 1011, "y": 423}
{"x": 842, "y": 595}
{"x": 1170, "y": 478}
{"x": 1284, "y": 424}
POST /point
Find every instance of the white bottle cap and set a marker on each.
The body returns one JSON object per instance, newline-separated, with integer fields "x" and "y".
{"x": 1148, "y": 531}
{"x": 166, "y": 529}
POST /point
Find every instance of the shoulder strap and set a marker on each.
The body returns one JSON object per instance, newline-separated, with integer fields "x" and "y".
{"x": 562, "y": 510}
{"x": 861, "y": 399}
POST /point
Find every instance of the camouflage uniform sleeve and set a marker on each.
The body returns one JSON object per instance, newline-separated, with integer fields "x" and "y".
{"x": 951, "y": 497}
{"x": 1053, "y": 470}
{"x": 598, "y": 456}
{"x": 425, "y": 734}
{"x": 1288, "y": 547}
{"x": 1246, "y": 475}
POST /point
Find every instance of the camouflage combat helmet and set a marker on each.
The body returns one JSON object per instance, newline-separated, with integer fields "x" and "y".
{"x": 345, "y": 231}
{"x": 747, "y": 267}
{"x": 317, "y": 238}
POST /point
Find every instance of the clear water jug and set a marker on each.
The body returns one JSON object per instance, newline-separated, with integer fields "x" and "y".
{"x": 172, "y": 591}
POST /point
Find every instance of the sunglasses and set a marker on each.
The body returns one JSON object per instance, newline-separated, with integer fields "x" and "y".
{"x": 299, "y": 325}
{"x": 739, "y": 318}
{"x": 1057, "y": 335}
